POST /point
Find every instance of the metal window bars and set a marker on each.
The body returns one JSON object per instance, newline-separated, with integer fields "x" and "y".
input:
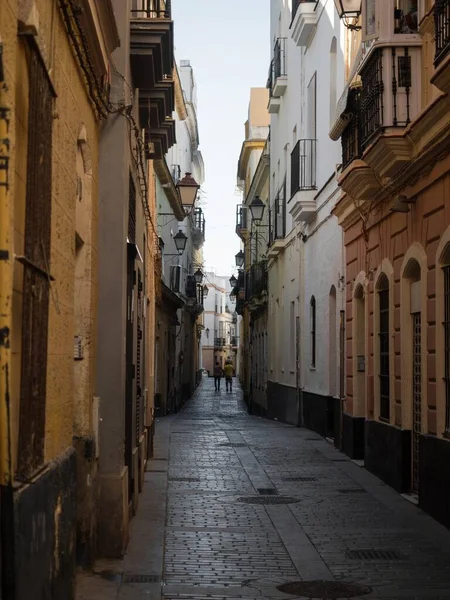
{"x": 441, "y": 30}
{"x": 303, "y": 166}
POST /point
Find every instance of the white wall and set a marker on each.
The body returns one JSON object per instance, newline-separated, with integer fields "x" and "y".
{"x": 308, "y": 267}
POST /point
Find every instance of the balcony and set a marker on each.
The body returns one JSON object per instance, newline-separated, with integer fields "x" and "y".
{"x": 234, "y": 341}
{"x": 274, "y": 101}
{"x": 241, "y": 220}
{"x": 151, "y": 42}
{"x": 389, "y": 101}
{"x": 256, "y": 285}
{"x": 304, "y": 21}
{"x": 151, "y": 60}
{"x": 278, "y": 77}
{"x": 303, "y": 181}
{"x": 277, "y": 223}
{"x": 219, "y": 342}
{"x": 351, "y": 138}
{"x": 198, "y": 228}
{"x": 441, "y": 78}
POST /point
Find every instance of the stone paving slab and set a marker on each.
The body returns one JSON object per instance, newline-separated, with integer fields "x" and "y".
{"x": 206, "y": 528}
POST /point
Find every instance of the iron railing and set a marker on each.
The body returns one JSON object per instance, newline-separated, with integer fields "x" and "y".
{"x": 296, "y": 4}
{"x": 219, "y": 342}
{"x": 303, "y": 166}
{"x": 279, "y": 59}
{"x": 199, "y": 220}
{"x": 351, "y": 136}
{"x": 256, "y": 280}
{"x": 372, "y": 106}
{"x": 151, "y": 9}
{"x": 277, "y": 217}
{"x": 441, "y": 30}
{"x": 241, "y": 217}
{"x": 374, "y": 92}
{"x": 234, "y": 340}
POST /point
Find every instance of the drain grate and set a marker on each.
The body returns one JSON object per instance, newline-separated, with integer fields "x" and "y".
{"x": 233, "y": 445}
{"x": 154, "y": 458}
{"x": 325, "y": 590}
{"x": 156, "y": 471}
{"x": 186, "y": 479}
{"x": 267, "y": 491}
{"x": 352, "y": 491}
{"x": 137, "y": 578}
{"x": 267, "y": 500}
{"x": 305, "y": 479}
{"x": 374, "y": 554}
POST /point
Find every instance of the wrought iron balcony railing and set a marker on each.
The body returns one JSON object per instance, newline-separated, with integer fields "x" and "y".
{"x": 296, "y": 4}
{"x": 386, "y": 93}
{"x": 234, "y": 340}
{"x": 303, "y": 166}
{"x": 351, "y": 136}
{"x": 277, "y": 217}
{"x": 279, "y": 59}
{"x": 199, "y": 220}
{"x": 151, "y": 9}
{"x": 256, "y": 280}
{"x": 219, "y": 342}
{"x": 241, "y": 217}
{"x": 441, "y": 29}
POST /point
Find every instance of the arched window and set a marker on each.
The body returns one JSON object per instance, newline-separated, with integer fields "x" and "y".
{"x": 384, "y": 355}
{"x": 333, "y": 78}
{"x": 312, "y": 318}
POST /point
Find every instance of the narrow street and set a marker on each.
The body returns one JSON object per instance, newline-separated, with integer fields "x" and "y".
{"x": 236, "y": 505}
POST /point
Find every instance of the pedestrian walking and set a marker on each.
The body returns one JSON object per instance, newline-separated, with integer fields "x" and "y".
{"x": 217, "y": 376}
{"x": 229, "y": 372}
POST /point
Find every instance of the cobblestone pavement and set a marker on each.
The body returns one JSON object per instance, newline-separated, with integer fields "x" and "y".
{"x": 236, "y": 505}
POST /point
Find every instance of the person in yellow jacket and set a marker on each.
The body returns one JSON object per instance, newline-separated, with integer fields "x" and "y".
{"x": 229, "y": 372}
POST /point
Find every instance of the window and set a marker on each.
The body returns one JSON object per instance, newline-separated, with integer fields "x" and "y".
{"x": 215, "y": 305}
{"x": 384, "y": 375}
{"x": 312, "y": 318}
{"x": 36, "y": 288}
{"x": 311, "y": 108}
{"x": 447, "y": 347}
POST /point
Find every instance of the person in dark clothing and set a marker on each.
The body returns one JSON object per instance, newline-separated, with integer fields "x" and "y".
{"x": 217, "y": 376}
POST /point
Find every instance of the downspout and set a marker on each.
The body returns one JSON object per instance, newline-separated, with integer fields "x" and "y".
{"x": 6, "y": 474}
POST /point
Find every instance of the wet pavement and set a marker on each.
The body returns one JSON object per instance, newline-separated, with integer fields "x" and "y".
{"x": 235, "y": 506}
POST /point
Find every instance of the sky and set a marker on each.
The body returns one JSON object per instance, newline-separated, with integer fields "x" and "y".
{"x": 228, "y": 44}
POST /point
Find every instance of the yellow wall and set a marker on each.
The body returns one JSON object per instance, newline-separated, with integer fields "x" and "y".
{"x": 70, "y": 386}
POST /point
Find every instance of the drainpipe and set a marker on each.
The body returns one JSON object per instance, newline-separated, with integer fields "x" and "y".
{"x": 6, "y": 476}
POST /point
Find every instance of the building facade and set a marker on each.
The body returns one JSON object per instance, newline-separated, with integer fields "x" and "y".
{"x": 305, "y": 253}
{"x": 55, "y": 77}
{"x": 220, "y": 331}
{"x": 394, "y": 210}
{"x": 181, "y": 301}
{"x": 251, "y": 288}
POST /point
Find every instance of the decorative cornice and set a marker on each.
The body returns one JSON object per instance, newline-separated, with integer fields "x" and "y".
{"x": 244, "y": 156}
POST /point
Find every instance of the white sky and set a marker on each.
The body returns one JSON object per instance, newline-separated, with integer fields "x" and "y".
{"x": 228, "y": 45}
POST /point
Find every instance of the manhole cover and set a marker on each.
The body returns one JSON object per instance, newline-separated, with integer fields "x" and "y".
{"x": 374, "y": 554}
{"x": 267, "y": 491}
{"x": 352, "y": 491}
{"x": 324, "y": 589}
{"x": 131, "y": 578}
{"x": 186, "y": 479}
{"x": 305, "y": 479}
{"x": 267, "y": 500}
{"x": 233, "y": 445}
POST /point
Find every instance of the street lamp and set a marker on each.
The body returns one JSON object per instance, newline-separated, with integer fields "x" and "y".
{"x": 257, "y": 207}
{"x": 240, "y": 257}
{"x": 233, "y": 281}
{"x": 180, "y": 240}
{"x": 205, "y": 291}
{"x": 348, "y": 9}
{"x": 198, "y": 276}
{"x": 187, "y": 190}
